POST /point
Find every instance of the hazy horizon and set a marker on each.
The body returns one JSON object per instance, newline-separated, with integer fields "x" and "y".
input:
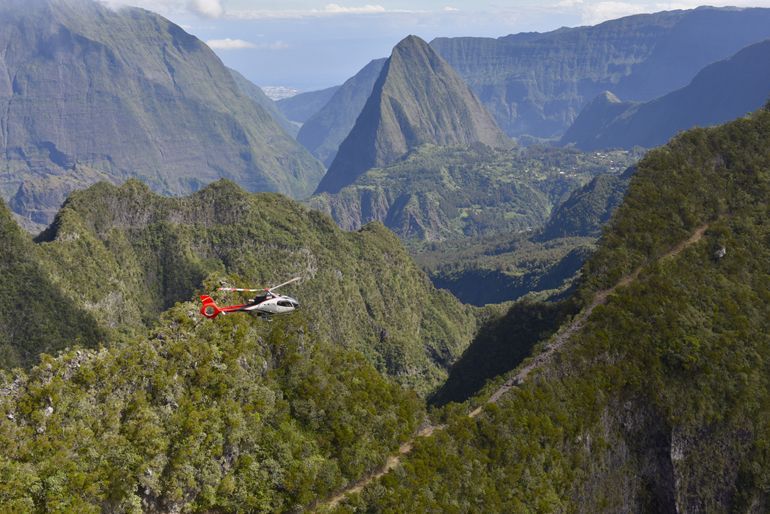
{"x": 310, "y": 45}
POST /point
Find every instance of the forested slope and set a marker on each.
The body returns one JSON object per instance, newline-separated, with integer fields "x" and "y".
{"x": 659, "y": 402}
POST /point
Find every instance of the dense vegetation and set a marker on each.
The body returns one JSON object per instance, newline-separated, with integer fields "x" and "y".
{"x": 660, "y": 403}
{"x": 531, "y": 236}
{"x": 235, "y": 415}
{"x": 127, "y": 254}
{"x": 589, "y": 208}
{"x": 500, "y": 269}
{"x": 501, "y": 344}
{"x": 439, "y": 193}
{"x": 35, "y": 314}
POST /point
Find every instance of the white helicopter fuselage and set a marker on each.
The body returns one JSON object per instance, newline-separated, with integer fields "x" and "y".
{"x": 278, "y": 304}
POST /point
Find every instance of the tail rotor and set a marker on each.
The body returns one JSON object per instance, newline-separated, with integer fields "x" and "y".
{"x": 209, "y": 308}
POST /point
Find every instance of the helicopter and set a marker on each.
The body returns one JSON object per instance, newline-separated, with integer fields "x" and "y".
{"x": 263, "y": 305}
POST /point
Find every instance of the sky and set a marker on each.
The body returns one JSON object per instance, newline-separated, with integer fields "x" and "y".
{"x": 310, "y": 45}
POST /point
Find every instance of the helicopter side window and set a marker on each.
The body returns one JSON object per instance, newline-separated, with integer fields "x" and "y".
{"x": 284, "y": 303}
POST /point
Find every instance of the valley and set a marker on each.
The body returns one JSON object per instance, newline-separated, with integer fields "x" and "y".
{"x": 528, "y": 273}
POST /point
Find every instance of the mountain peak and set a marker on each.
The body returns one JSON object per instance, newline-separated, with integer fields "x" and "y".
{"x": 410, "y": 40}
{"x": 418, "y": 99}
{"x": 607, "y": 97}
{"x": 410, "y": 44}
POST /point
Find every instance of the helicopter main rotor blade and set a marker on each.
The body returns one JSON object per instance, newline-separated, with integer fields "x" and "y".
{"x": 284, "y": 284}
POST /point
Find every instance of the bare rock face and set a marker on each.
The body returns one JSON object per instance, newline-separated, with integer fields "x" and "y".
{"x": 537, "y": 83}
{"x": 128, "y": 94}
{"x": 721, "y": 92}
{"x": 418, "y": 99}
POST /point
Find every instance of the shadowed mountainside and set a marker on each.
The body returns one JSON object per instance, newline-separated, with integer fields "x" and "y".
{"x": 91, "y": 93}
{"x": 720, "y": 92}
{"x": 537, "y": 83}
{"x": 326, "y": 129}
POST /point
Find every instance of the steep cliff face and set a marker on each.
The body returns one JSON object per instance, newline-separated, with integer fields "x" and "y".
{"x": 323, "y": 132}
{"x": 537, "y": 83}
{"x": 128, "y": 94}
{"x": 418, "y": 99}
{"x": 720, "y": 92}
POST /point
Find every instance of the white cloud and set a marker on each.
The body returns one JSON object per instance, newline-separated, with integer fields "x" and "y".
{"x": 449, "y": 8}
{"x": 603, "y": 11}
{"x": 207, "y": 8}
{"x": 327, "y": 11}
{"x": 229, "y": 44}
{"x": 240, "y": 44}
{"x": 568, "y": 3}
{"x": 365, "y": 9}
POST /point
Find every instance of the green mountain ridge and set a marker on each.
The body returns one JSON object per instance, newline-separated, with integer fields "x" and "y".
{"x": 128, "y": 255}
{"x": 537, "y": 83}
{"x": 657, "y": 402}
{"x": 35, "y": 314}
{"x": 453, "y": 193}
{"x": 236, "y": 415}
{"x": 720, "y": 92}
{"x": 417, "y": 99}
{"x": 134, "y": 95}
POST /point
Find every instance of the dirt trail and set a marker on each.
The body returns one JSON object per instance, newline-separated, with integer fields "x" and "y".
{"x": 559, "y": 340}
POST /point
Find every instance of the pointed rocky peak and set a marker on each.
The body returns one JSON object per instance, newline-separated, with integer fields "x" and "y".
{"x": 418, "y": 99}
{"x": 607, "y": 97}
{"x": 596, "y": 115}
